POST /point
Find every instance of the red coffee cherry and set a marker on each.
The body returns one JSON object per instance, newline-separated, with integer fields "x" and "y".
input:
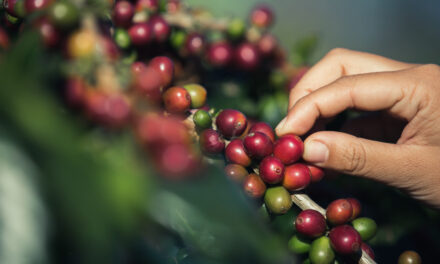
{"x": 236, "y": 172}
{"x": 310, "y": 223}
{"x": 148, "y": 83}
{"x": 211, "y": 143}
{"x": 33, "y": 5}
{"x": 219, "y": 54}
{"x": 140, "y": 34}
{"x": 258, "y": 145}
{"x": 267, "y": 44}
{"x": 235, "y": 153}
{"x": 288, "y": 149}
{"x": 262, "y": 16}
{"x": 296, "y": 177}
{"x": 263, "y": 128}
{"x": 123, "y": 14}
{"x": 176, "y": 161}
{"x": 49, "y": 33}
{"x": 271, "y": 170}
{"x": 247, "y": 56}
{"x": 160, "y": 28}
{"x": 194, "y": 44}
{"x": 231, "y": 123}
{"x": 367, "y": 249}
{"x": 137, "y": 67}
{"x": 356, "y": 206}
{"x": 165, "y": 67}
{"x": 316, "y": 172}
{"x": 339, "y": 212}
{"x": 345, "y": 240}
{"x": 149, "y": 5}
{"x": 177, "y": 100}
{"x": 254, "y": 186}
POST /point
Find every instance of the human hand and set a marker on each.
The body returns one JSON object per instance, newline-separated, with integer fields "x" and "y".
{"x": 349, "y": 79}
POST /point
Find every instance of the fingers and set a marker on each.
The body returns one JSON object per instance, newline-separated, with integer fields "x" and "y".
{"x": 369, "y": 92}
{"x": 338, "y": 63}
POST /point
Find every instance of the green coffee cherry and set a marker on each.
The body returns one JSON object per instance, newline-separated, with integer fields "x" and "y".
{"x": 321, "y": 251}
{"x": 202, "y": 119}
{"x": 299, "y": 245}
{"x": 278, "y": 200}
{"x": 366, "y": 227}
{"x": 64, "y": 14}
{"x": 177, "y": 39}
{"x": 122, "y": 38}
{"x": 197, "y": 93}
{"x": 236, "y": 29}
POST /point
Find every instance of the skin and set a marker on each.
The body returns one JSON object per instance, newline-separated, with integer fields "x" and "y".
{"x": 398, "y": 145}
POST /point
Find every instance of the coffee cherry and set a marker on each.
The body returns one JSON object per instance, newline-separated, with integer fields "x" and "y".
{"x": 147, "y": 5}
{"x": 34, "y": 5}
{"x": 345, "y": 239}
{"x": 122, "y": 38}
{"x": 277, "y": 200}
{"x": 288, "y": 149}
{"x": 235, "y": 153}
{"x": 254, "y": 186}
{"x": 310, "y": 223}
{"x": 321, "y": 251}
{"x": 299, "y": 245}
{"x": 367, "y": 249}
{"x": 148, "y": 82}
{"x": 219, "y": 54}
{"x": 316, "y": 172}
{"x": 211, "y": 143}
{"x": 247, "y": 56}
{"x": 339, "y": 212}
{"x": 137, "y": 67}
{"x": 202, "y": 119}
{"x": 140, "y": 34}
{"x": 258, "y": 145}
{"x": 262, "y": 16}
{"x": 177, "y": 100}
{"x": 296, "y": 177}
{"x": 123, "y": 14}
{"x": 165, "y": 67}
{"x": 231, "y": 123}
{"x": 271, "y": 170}
{"x": 81, "y": 44}
{"x": 64, "y": 14}
{"x": 409, "y": 257}
{"x": 176, "y": 161}
{"x": 236, "y": 29}
{"x": 75, "y": 91}
{"x": 263, "y": 128}
{"x": 366, "y": 227}
{"x": 4, "y": 40}
{"x": 117, "y": 110}
{"x": 48, "y": 32}
{"x": 194, "y": 44}
{"x": 197, "y": 93}
{"x": 177, "y": 39}
{"x": 356, "y": 205}
{"x": 267, "y": 44}
{"x": 173, "y": 6}
{"x": 160, "y": 28}
{"x": 10, "y": 7}
{"x": 236, "y": 172}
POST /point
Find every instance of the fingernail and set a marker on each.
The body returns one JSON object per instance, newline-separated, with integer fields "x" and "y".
{"x": 281, "y": 124}
{"x": 315, "y": 152}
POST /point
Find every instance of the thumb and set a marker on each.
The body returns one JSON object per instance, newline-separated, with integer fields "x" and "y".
{"x": 357, "y": 156}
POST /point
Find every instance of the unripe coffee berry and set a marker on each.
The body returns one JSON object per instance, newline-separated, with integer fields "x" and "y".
{"x": 197, "y": 93}
{"x": 339, "y": 212}
{"x": 321, "y": 251}
{"x": 299, "y": 245}
{"x": 409, "y": 257}
{"x": 202, "y": 119}
{"x": 345, "y": 239}
{"x": 310, "y": 223}
{"x": 366, "y": 227}
{"x": 278, "y": 200}
{"x": 288, "y": 149}
{"x": 271, "y": 170}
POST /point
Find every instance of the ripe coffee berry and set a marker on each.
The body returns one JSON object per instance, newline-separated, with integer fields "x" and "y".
{"x": 123, "y": 14}
{"x": 277, "y": 200}
{"x": 310, "y": 223}
{"x": 247, "y": 56}
{"x": 367, "y": 249}
{"x": 33, "y": 5}
{"x": 211, "y": 143}
{"x": 194, "y": 44}
{"x": 339, "y": 212}
{"x": 267, "y": 44}
{"x": 258, "y": 145}
{"x": 235, "y": 153}
{"x": 263, "y": 128}
{"x": 296, "y": 177}
{"x": 149, "y": 5}
{"x": 140, "y": 34}
{"x": 219, "y": 54}
{"x": 271, "y": 170}
{"x": 316, "y": 172}
{"x": 345, "y": 240}
{"x": 356, "y": 205}
{"x": 366, "y": 227}
{"x": 160, "y": 28}
{"x": 148, "y": 83}
{"x": 288, "y": 149}
{"x": 236, "y": 172}
{"x": 177, "y": 100}
{"x": 197, "y": 93}
{"x": 231, "y": 123}
{"x": 254, "y": 186}
{"x": 262, "y": 16}
{"x": 165, "y": 67}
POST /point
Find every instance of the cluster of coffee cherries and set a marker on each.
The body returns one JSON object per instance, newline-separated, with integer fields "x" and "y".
{"x": 340, "y": 230}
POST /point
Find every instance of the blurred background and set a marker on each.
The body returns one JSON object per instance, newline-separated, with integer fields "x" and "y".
{"x": 72, "y": 192}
